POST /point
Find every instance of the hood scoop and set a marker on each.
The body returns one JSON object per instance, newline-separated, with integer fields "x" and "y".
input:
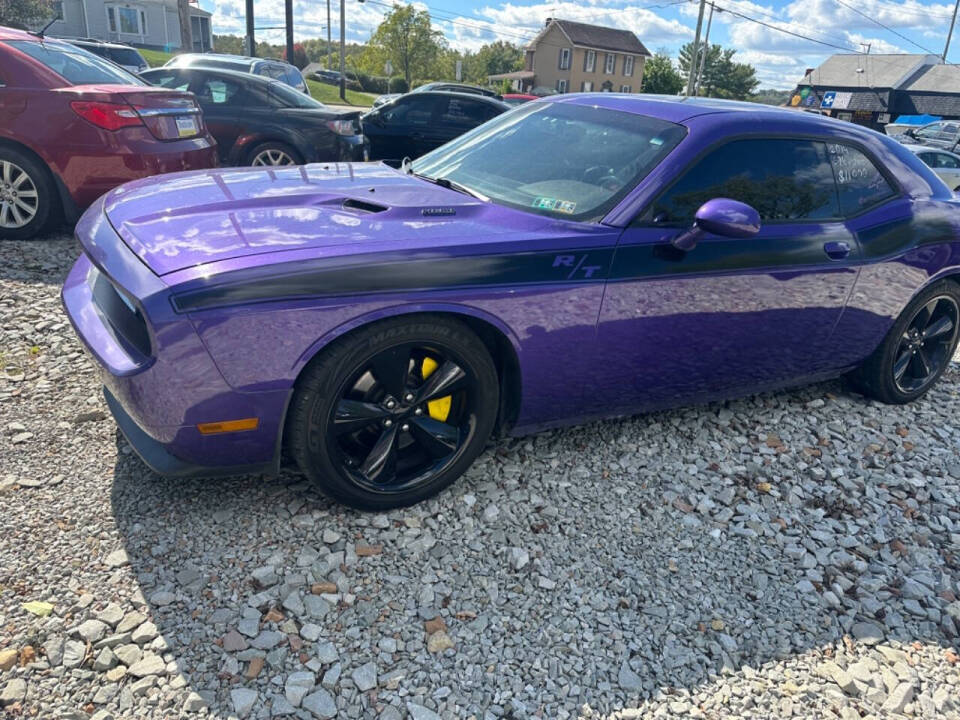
{"x": 362, "y": 206}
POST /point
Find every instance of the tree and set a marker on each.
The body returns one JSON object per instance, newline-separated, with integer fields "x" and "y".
{"x": 660, "y": 76}
{"x": 299, "y": 56}
{"x": 25, "y": 13}
{"x": 493, "y": 58}
{"x": 722, "y": 77}
{"x": 407, "y": 39}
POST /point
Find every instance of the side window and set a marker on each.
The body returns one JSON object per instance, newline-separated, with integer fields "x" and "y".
{"x": 218, "y": 92}
{"x": 168, "y": 79}
{"x": 411, "y": 111}
{"x": 930, "y": 131}
{"x": 947, "y": 161}
{"x": 859, "y": 183}
{"x": 781, "y": 179}
{"x": 929, "y": 158}
{"x": 463, "y": 113}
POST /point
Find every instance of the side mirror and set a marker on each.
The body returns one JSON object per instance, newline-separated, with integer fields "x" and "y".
{"x": 720, "y": 216}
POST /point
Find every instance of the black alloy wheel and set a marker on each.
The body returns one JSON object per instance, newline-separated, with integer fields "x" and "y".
{"x": 402, "y": 418}
{"x": 926, "y": 345}
{"x": 394, "y": 412}
{"x": 917, "y": 349}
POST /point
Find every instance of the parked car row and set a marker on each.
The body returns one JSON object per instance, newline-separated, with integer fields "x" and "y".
{"x": 106, "y": 124}
{"x": 936, "y": 144}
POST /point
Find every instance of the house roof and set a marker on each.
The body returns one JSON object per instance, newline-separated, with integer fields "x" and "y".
{"x": 935, "y": 79}
{"x": 597, "y": 37}
{"x": 867, "y": 71}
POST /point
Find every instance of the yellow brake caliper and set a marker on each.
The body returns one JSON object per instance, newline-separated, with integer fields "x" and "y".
{"x": 439, "y": 409}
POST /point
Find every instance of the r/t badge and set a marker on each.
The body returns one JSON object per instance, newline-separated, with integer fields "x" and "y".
{"x": 579, "y": 269}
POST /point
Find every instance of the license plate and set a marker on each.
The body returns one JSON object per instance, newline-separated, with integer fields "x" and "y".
{"x": 186, "y": 126}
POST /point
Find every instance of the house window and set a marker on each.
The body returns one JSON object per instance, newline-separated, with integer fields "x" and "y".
{"x": 611, "y": 65}
{"x": 626, "y": 88}
{"x": 561, "y": 85}
{"x": 126, "y": 20}
{"x": 628, "y": 65}
{"x": 564, "y": 58}
{"x": 586, "y": 86}
{"x": 590, "y": 61}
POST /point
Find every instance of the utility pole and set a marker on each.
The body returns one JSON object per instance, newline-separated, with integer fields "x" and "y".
{"x": 251, "y": 40}
{"x": 288, "y": 12}
{"x": 953, "y": 20}
{"x": 329, "y": 40}
{"x": 696, "y": 48}
{"x": 706, "y": 47}
{"x": 186, "y": 32}
{"x": 343, "y": 50}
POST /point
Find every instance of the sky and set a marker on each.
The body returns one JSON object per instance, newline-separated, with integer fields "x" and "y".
{"x": 819, "y": 27}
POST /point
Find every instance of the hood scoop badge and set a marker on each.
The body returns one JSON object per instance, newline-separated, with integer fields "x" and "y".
{"x": 438, "y": 211}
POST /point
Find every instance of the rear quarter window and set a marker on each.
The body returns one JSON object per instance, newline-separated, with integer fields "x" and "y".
{"x": 860, "y": 184}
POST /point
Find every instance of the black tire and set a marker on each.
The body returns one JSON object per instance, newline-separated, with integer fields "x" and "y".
{"x": 333, "y": 448}
{"x": 45, "y": 204}
{"x": 274, "y": 147}
{"x": 894, "y": 373}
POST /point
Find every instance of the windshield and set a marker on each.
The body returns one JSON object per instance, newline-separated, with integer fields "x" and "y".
{"x": 567, "y": 161}
{"x": 76, "y": 65}
{"x": 290, "y": 97}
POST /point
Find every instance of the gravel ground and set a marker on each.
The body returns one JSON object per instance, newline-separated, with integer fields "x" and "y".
{"x": 788, "y": 555}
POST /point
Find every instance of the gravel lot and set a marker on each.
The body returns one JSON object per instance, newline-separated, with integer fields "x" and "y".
{"x": 789, "y": 555}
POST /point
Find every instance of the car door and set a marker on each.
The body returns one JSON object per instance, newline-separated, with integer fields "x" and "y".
{"x": 457, "y": 115}
{"x": 231, "y": 108}
{"x": 730, "y": 315}
{"x": 397, "y": 130}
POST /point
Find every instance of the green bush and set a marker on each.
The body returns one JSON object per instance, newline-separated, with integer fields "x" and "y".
{"x": 373, "y": 83}
{"x": 398, "y": 85}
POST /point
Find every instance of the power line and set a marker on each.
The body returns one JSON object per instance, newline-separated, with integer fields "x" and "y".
{"x": 888, "y": 29}
{"x": 835, "y": 38}
{"x": 788, "y": 32}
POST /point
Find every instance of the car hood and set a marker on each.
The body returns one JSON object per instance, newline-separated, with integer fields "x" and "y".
{"x": 181, "y": 220}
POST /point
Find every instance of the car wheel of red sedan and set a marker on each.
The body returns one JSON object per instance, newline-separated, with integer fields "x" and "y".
{"x": 27, "y": 196}
{"x": 274, "y": 153}
{"x": 395, "y": 412}
{"x": 917, "y": 349}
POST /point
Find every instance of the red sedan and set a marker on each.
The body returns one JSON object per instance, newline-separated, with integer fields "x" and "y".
{"x": 73, "y": 126}
{"x": 518, "y": 98}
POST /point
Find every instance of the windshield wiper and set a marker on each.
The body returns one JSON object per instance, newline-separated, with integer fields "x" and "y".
{"x": 449, "y": 184}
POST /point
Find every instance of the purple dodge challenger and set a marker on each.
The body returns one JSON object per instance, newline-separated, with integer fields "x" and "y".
{"x": 580, "y": 256}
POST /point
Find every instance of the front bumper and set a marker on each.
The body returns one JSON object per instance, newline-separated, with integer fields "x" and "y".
{"x": 161, "y": 395}
{"x": 158, "y": 458}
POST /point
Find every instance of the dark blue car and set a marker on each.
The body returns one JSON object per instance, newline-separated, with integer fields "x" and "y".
{"x": 579, "y": 256}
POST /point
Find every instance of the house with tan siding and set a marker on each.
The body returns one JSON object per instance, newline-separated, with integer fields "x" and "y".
{"x": 569, "y": 56}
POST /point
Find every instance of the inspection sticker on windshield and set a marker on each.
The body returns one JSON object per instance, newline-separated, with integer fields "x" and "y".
{"x": 548, "y": 203}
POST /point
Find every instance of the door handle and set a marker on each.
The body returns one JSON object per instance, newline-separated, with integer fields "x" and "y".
{"x": 836, "y": 250}
{"x": 416, "y": 136}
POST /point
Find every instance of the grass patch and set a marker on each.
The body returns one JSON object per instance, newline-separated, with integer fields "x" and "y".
{"x": 330, "y": 94}
{"x": 155, "y": 58}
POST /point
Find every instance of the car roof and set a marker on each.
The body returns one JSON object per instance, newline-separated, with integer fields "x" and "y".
{"x": 674, "y": 108}
{"x": 927, "y": 148}
{"x": 9, "y": 33}
{"x": 94, "y": 41}
{"x": 244, "y": 60}
{"x": 465, "y": 96}
{"x": 234, "y": 74}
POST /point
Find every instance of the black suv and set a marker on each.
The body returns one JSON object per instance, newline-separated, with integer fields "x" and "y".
{"x": 125, "y": 56}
